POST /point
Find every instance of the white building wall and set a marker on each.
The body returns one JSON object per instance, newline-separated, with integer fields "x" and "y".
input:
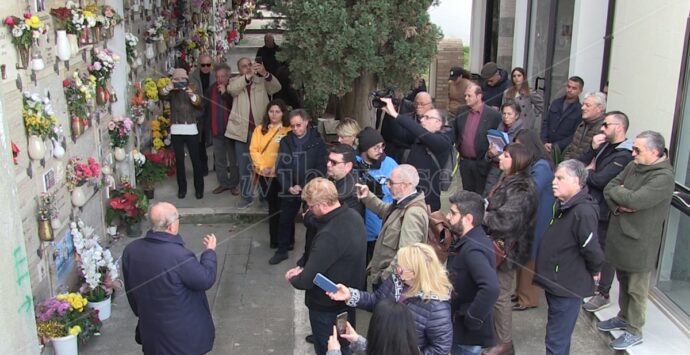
{"x": 587, "y": 49}
{"x": 646, "y": 62}
{"x": 519, "y": 33}
{"x": 477, "y": 35}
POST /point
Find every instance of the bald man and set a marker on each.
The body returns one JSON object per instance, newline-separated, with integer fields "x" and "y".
{"x": 166, "y": 287}
{"x": 267, "y": 53}
{"x": 398, "y": 139}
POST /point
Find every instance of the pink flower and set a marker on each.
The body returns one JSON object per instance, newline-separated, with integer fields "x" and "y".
{"x": 97, "y": 66}
{"x": 27, "y": 15}
{"x": 9, "y": 21}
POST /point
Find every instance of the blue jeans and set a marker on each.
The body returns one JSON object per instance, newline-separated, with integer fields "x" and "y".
{"x": 562, "y": 315}
{"x": 458, "y": 349}
{"x": 322, "y": 327}
{"x": 244, "y": 167}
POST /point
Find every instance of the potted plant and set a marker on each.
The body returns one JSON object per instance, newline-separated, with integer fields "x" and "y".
{"x": 119, "y": 128}
{"x": 98, "y": 268}
{"x": 128, "y": 205}
{"x": 149, "y": 171}
{"x": 80, "y": 173}
{"x": 40, "y": 123}
{"x": 64, "y": 318}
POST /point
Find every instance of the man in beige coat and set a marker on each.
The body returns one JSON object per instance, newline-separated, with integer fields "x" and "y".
{"x": 250, "y": 91}
{"x": 405, "y": 221}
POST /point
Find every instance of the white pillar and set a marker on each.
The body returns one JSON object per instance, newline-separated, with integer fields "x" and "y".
{"x": 587, "y": 49}
{"x": 519, "y": 33}
{"x": 477, "y": 35}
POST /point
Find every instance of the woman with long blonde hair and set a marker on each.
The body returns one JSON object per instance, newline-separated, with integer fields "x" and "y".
{"x": 421, "y": 283}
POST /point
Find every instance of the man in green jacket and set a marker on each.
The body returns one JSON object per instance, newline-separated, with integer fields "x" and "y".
{"x": 639, "y": 199}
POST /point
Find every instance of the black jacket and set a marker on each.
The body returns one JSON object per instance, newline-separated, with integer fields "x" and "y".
{"x": 338, "y": 252}
{"x": 569, "y": 252}
{"x": 424, "y": 142}
{"x": 511, "y": 217}
{"x": 493, "y": 95}
{"x": 558, "y": 126}
{"x": 472, "y": 270}
{"x": 489, "y": 120}
{"x": 607, "y": 167}
{"x": 398, "y": 140}
{"x": 297, "y": 168}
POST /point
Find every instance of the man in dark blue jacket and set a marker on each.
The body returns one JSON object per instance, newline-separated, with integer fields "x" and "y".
{"x": 569, "y": 256}
{"x": 494, "y": 83}
{"x": 472, "y": 270}
{"x": 166, "y": 287}
{"x": 565, "y": 113}
{"x": 301, "y": 157}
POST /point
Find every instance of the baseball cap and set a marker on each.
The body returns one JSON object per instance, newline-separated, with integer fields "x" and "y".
{"x": 455, "y": 72}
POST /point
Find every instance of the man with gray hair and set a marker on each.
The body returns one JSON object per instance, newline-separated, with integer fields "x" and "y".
{"x": 405, "y": 221}
{"x": 569, "y": 256}
{"x": 639, "y": 199}
{"x": 224, "y": 160}
{"x": 166, "y": 287}
{"x": 593, "y": 108}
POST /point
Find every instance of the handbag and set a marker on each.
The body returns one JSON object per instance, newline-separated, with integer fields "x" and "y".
{"x": 501, "y": 251}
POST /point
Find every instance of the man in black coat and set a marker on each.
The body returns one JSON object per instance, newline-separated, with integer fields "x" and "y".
{"x": 472, "y": 270}
{"x": 495, "y": 81}
{"x": 338, "y": 252}
{"x": 470, "y": 128}
{"x": 569, "y": 256}
{"x": 399, "y": 140}
{"x": 609, "y": 153}
{"x": 563, "y": 116}
{"x": 166, "y": 287}
{"x": 301, "y": 157}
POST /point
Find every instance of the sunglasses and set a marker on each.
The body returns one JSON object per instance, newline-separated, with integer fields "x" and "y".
{"x": 205, "y": 64}
{"x": 335, "y": 162}
{"x": 607, "y": 124}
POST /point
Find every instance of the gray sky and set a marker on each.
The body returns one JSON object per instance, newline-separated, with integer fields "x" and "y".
{"x": 453, "y": 16}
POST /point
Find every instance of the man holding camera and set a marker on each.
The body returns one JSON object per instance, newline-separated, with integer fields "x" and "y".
{"x": 185, "y": 108}
{"x": 250, "y": 92}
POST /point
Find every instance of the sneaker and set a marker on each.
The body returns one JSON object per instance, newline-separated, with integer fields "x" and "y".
{"x": 626, "y": 341}
{"x": 612, "y": 324}
{"x": 277, "y": 258}
{"x": 596, "y": 303}
{"x": 244, "y": 204}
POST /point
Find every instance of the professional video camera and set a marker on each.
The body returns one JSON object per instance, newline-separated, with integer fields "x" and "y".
{"x": 376, "y": 95}
{"x": 363, "y": 177}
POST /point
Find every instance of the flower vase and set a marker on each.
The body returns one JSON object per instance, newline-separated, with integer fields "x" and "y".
{"x": 150, "y": 53}
{"x": 103, "y": 308}
{"x": 79, "y": 196}
{"x": 77, "y": 127}
{"x": 85, "y": 37}
{"x": 36, "y": 147}
{"x": 45, "y": 230}
{"x": 133, "y": 230}
{"x": 119, "y": 153}
{"x": 23, "y": 57}
{"x": 150, "y": 192}
{"x": 111, "y": 230}
{"x": 102, "y": 95}
{"x": 62, "y": 46}
{"x": 65, "y": 345}
{"x": 110, "y": 32}
{"x": 162, "y": 47}
{"x": 58, "y": 150}
{"x": 73, "y": 43}
{"x": 95, "y": 34}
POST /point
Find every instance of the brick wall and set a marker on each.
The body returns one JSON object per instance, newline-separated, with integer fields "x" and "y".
{"x": 450, "y": 54}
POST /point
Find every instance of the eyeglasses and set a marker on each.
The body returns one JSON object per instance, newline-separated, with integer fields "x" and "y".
{"x": 636, "y": 150}
{"x": 427, "y": 117}
{"x": 380, "y": 147}
{"x": 607, "y": 124}
{"x": 205, "y": 64}
{"x": 390, "y": 182}
{"x": 335, "y": 162}
{"x": 399, "y": 270}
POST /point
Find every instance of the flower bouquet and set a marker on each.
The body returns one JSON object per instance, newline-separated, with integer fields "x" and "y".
{"x": 149, "y": 170}
{"x": 131, "y": 41}
{"x": 98, "y": 267}
{"x": 64, "y": 315}
{"x": 24, "y": 32}
{"x": 101, "y": 68}
{"x": 79, "y": 173}
{"x": 39, "y": 118}
{"x": 128, "y": 204}
{"x": 78, "y": 92}
{"x": 118, "y": 129}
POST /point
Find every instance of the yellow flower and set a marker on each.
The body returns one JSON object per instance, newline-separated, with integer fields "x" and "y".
{"x": 74, "y": 330}
{"x": 88, "y": 13}
{"x": 34, "y": 22}
{"x": 163, "y": 82}
{"x": 158, "y": 143}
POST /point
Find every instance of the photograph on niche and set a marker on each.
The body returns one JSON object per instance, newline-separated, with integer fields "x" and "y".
{"x": 48, "y": 180}
{"x": 39, "y": 5}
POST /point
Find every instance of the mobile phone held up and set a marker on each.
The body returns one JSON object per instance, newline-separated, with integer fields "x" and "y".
{"x": 180, "y": 85}
{"x": 341, "y": 323}
{"x": 324, "y": 283}
{"x": 259, "y": 60}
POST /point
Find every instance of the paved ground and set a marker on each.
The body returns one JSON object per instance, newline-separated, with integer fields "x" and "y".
{"x": 254, "y": 309}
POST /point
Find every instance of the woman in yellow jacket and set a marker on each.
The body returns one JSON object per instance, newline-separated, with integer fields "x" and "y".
{"x": 263, "y": 150}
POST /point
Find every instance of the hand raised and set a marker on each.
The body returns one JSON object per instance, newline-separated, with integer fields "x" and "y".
{"x": 210, "y": 241}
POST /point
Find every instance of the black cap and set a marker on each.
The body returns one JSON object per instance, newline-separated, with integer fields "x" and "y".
{"x": 368, "y": 138}
{"x": 456, "y": 72}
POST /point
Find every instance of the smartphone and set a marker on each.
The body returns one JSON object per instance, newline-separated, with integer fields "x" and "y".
{"x": 180, "y": 85}
{"x": 341, "y": 323}
{"x": 259, "y": 60}
{"x": 325, "y": 284}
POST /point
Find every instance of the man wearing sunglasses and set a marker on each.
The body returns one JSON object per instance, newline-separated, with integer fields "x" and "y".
{"x": 202, "y": 78}
{"x": 609, "y": 153}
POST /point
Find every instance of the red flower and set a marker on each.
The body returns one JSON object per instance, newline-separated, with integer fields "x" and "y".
{"x": 27, "y": 15}
{"x": 65, "y": 83}
{"x": 15, "y": 153}
{"x": 9, "y": 21}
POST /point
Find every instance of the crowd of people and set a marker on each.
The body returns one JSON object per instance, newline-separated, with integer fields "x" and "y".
{"x": 566, "y": 204}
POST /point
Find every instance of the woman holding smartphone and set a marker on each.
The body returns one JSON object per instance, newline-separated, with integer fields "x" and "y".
{"x": 421, "y": 283}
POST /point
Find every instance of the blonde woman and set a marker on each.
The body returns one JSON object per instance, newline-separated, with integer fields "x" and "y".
{"x": 421, "y": 283}
{"x": 347, "y": 131}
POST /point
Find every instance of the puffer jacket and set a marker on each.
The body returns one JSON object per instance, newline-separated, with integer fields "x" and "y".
{"x": 633, "y": 239}
{"x": 510, "y": 217}
{"x": 582, "y": 139}
{"x": 569, "y": 252}
{"x": 431, "y": 316}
